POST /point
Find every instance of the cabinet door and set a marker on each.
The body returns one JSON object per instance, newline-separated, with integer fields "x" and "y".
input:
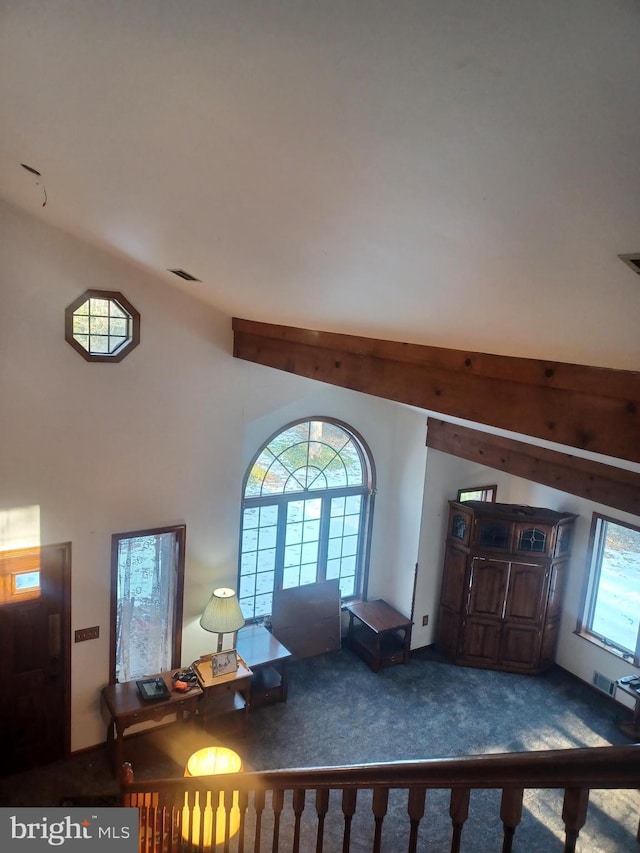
{"x": 488, "y": 586}
{"x": 520, "y": 647}
{"x": 481, "y": 641}
{"x": 525, "y": 598}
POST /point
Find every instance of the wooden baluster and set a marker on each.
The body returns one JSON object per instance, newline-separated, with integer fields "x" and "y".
{"x": 298, "y": 808}
{"x": 210, "y": 800}
{"x": 322, "y": 807}
{"x": 228, "y": 806}
{"x": 379, "y": 808}
{"x": 190, "y": 801}
{"x": 243, "y": 805}
{"x": 258, "y": 805}
{"x": 459, "y": 812}
{"x": 510, "y": 814}
{"x": 574, "y": 815}
{"x": 349, "y": 797}
{"x": 277, "y": 804}
{"x": 415, "y": 810}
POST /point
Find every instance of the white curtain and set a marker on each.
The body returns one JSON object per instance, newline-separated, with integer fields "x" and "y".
{"x": 147, "y": 573}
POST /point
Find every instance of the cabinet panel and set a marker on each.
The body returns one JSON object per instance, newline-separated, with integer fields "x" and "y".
{"x": 549, "y": 643}
{"x": 525, "y": 598}
{"x": 531, "y": 538}
{"x": 520, "y": 647}
{"x": 453, "y": 579}
{"x": 449, "y": 623}
{"x": 556, "y": 590}
{"x": 481, "y": 643}
{"x": 487, "y": 587}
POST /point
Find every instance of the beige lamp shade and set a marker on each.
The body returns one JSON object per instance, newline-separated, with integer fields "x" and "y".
{"x": 222, "y": 615}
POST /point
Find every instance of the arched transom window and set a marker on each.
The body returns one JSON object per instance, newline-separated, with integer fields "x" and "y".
{"x": 305, "y": 513}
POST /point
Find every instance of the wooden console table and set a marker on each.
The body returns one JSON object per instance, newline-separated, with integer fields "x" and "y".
{"x": 382, "y": 636}
{"x": 125, "y": 707}
{"x": 268, "y": 660}
{"x": 210, "y": 700}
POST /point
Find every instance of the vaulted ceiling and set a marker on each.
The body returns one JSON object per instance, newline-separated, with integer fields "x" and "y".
{"x": 459, "y": 174}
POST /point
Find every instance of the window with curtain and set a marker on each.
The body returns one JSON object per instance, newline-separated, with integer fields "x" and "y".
{"x": 306, "y": 513}
{"x": 147, "y": 570}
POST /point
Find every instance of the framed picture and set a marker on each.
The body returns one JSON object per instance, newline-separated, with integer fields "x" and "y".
{"x": 223, "y": 663}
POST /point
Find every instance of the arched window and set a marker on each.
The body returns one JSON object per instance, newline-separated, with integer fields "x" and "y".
{"x": 306, "y": 509}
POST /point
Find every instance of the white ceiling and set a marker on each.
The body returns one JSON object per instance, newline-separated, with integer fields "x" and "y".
{"x": 454, "y": 172}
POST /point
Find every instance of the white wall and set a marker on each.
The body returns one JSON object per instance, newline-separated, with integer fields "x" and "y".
{"x": 161, "y": 438}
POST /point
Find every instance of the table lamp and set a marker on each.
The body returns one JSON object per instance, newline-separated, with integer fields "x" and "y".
{"x": 223, "y": 615}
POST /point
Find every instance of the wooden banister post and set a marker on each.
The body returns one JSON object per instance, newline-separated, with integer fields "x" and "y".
{"x": 415, "y": 810}
{"x": 459, "y": 812}
{"x": 258, "y": 804}
{"x": 379, "y": 806}
{"x": 277, "y": 804}
{"x": 510, "y": 815}
{"x": 349, "y": 797}
{"x": 298, "y": 808}
{"x": 574, "y": 815}
{"x": 322, "y": 807}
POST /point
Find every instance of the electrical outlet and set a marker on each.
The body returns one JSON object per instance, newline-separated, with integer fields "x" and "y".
{"x": 425, "y": 620}
{"x": 83, "y": 634}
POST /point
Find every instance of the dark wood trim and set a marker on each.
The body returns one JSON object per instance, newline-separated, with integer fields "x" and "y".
{"x": 592, "y": 408}
{"x": 604, "y": 484}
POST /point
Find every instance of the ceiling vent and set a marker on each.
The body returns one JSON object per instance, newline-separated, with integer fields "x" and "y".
{"x": 188, "y": 277}
{"x": 632, "y": 261}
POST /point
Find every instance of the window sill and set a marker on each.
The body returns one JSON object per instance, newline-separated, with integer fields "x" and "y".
{"x": 605, "y": 647}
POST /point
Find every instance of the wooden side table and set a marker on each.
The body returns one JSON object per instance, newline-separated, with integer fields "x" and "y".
{"x": 223, "y": 695}
{"x": 382, "y": 635}
{"x": 632, "y": 729}
{"x": 268, "y": 660}
{"x": 123, "y": 707}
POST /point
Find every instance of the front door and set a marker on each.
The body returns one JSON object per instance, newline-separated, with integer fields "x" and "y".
{"x": 35, "y": 689}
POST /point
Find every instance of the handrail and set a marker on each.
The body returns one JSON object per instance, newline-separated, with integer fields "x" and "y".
{"x": 167, "y": 805}
{"x": 594, "y": 767}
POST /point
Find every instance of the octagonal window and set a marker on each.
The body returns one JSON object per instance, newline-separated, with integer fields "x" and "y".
{"x": 102, "y": 325}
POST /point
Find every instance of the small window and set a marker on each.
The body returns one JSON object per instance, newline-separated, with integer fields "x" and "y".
{"x": 478, "y": 493}
{"x": 611, "y": 611}
{"x": 147, "y": 576}
{"x": 19, "y": 575}
{"x": 102, "y": 325}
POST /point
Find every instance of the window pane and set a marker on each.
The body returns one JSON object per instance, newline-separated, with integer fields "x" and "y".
{"x": 616, "y": 611}
{"x": 148, "y": 571}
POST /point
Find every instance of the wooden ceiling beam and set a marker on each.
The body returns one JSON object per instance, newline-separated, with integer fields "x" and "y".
{"x": 605, "y": 484}
{"x": 591, "y": 408}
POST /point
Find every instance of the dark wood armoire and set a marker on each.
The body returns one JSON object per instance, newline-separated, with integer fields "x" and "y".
{"x": 502, "y": 585}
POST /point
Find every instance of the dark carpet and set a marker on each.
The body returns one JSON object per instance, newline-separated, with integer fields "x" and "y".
{"x": 339, "y": 712}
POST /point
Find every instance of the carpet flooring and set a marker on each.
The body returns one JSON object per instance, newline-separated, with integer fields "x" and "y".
{"x": 340, "y": 712}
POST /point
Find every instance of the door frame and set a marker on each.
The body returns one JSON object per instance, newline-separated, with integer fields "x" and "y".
{"x": 65, "y": 631}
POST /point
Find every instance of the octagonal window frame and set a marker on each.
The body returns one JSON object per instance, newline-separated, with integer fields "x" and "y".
{"x": 125, "y": 312}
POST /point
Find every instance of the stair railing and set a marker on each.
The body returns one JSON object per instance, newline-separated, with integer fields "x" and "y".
{"x": 251, "y": 812}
